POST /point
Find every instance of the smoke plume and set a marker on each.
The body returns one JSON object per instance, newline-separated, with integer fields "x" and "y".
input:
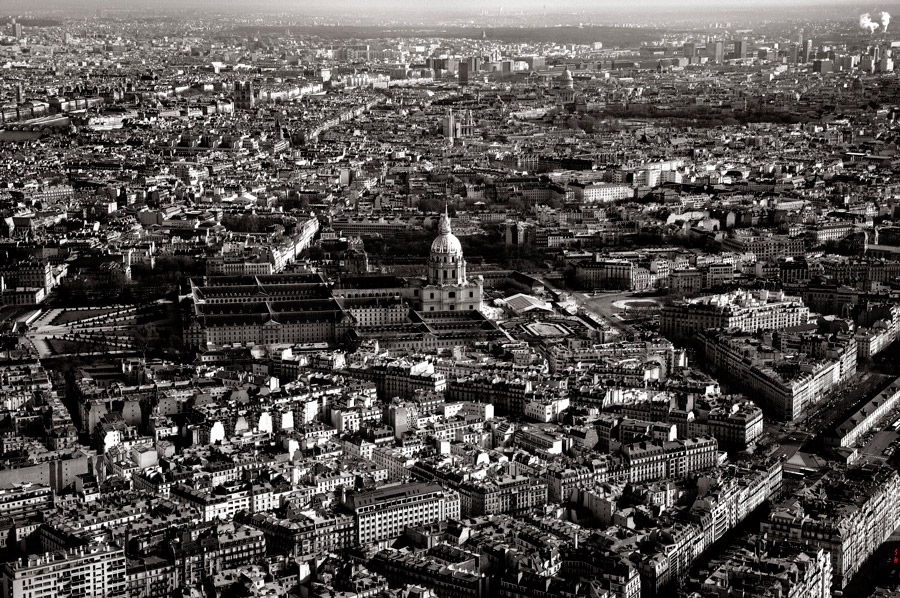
{"x": 866, "y": 22}
{"x": 885, "y": 20}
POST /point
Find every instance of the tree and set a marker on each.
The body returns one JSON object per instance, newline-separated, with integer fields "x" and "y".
{"x": 112, "y": 284}
{"x": 295, "y": 202}
{"x": 144, "y": 338}
{"x": 247, "y": 223}
{"x": 511, "y": 287}
{"x": 430, "y": 205}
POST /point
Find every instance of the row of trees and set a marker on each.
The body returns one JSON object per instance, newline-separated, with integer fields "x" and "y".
{"x": 702, "y": 116}
{"x": 491, "y": 247}
{"x": 248, "y": 223}
{"x": 112, "y": 286}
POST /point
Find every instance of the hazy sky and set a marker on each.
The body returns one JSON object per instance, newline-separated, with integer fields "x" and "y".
{"x": 406, "y": 6}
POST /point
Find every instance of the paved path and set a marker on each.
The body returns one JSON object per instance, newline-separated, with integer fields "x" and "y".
{"x": 43, "y": 331}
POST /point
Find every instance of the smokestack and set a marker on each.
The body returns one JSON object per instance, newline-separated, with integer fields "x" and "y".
{"x": 885, "y": 20}
{"x": 866, "y": 22}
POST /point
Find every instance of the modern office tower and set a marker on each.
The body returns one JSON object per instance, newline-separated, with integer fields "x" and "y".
{"x": 689, "y": 49}
{"x": 823, "y": 67}
{"x": 715, "y": 50}
{"x": 463, "y": 73}
{"x": 450, "y": 125}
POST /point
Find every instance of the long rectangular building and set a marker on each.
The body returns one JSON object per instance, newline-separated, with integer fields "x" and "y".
{"x": 786, "y": 387}
{"x": 507, "y": 494}
{"x": 95, "y": 570}
{"x": 855, "y": 426}
{"x": 748, "y": 311}
{"x": 384, "y": 514}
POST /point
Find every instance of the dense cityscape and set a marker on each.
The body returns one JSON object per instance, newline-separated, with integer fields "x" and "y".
{"x": 510, "y": 304}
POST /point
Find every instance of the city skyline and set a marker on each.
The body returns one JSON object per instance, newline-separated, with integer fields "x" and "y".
{"x": 439, "y": 300}
{"x": 690, "y": 8}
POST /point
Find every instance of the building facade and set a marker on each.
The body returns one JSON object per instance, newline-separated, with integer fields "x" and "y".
{"x": 384, "y": 514}
{"x": 95, "y": 570}
{"x": 447, "y": 287}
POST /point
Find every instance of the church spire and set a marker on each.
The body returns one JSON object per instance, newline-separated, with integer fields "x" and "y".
{"x": 444, "y": 225}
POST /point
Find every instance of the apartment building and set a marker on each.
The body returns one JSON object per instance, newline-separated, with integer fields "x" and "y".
{"x": 737, "y": 426}
{"x": 304, "y": 533}
{"x": 506, "y": 494}
{"x": 24, "y": 500}
{"x": 766, "y": 246}
{"x": 858, "y": 424}
{"x": 668, "y": 460}
{"x": 783, "y": 569}
{"x": 613, "y": 274}
{"x": 383, "y": 514}
{"x": 93, "y": 570}
{"x": 747, "y": 311}
{"x": 860, "y": 514}
{"x": 785, "y": 385}
{"x": 562, "y": 481}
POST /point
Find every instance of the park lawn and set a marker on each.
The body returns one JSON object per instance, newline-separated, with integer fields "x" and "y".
{"x": 73, "y": 315}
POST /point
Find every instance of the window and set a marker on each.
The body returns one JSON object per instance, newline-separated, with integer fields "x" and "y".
{"x": 452, "y": 294}
{"x": 452, "y": 307}
{"x": 432, "y": 296}
{"x": 471, "y": 294}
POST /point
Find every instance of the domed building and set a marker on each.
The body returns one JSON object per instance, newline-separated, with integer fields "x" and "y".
{"x": 447, "y": 287}
{"x": 566, "y": 81}
{"x": 565, "y": 87}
